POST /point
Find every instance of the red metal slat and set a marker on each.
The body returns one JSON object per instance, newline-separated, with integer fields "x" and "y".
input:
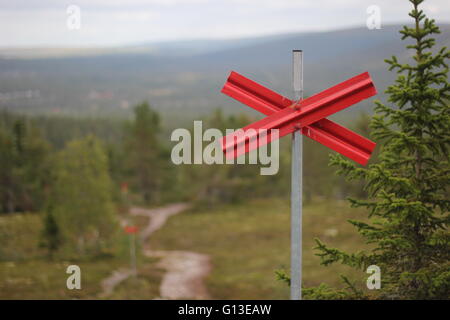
{"x": 326, "y": 132}
{"x": 254, "y": 95}
{"x": 320, "y": 105}
{"x": 310, "y": 110}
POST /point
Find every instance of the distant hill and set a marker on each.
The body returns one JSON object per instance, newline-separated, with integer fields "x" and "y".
{"x": 183, "y": 79}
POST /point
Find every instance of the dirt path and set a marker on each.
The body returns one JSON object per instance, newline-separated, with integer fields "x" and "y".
{"x": 185, "y": 270}
{"x": 157, "y": 218}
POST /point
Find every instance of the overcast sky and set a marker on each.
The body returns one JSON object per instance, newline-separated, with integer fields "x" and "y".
{"x": 119, "y": 22}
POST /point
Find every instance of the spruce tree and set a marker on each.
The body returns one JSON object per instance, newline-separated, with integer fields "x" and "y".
{"x": 408, "y": 187}
{"x": 144, "y": 152}
{"x": 51, "y": 234}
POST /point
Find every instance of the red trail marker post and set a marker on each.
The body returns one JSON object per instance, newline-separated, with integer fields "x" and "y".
{"x": 299, "y": 117}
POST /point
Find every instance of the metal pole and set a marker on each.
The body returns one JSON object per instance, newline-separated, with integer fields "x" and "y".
{"x": 296, "y": 184}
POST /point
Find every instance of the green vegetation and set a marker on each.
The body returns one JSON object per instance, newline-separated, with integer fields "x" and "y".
{"x": 138, "y": 153}
{"x": 81, "y": 197}
{"x": 70, "y": 182}
{"x": 24, "y": 166}
{"x": 248, "y": 242}
{"x": 408, "y": 188}
{"x": 26, "y": 273}
{"x": 143, "y": 153}
{"x": 51, "y": 235}
{"x": 253, "y": 236}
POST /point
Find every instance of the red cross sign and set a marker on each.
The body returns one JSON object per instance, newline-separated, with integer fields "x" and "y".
{"x": 308, "y": 115}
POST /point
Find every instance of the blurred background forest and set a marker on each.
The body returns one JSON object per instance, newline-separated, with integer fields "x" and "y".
{"x": 67, "y": 183}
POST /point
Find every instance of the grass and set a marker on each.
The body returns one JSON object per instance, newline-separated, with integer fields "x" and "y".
{"x": 26, "y": 272}
{"x": 248, "y": 242}
{"x": 144, "y": 286}
{"x": 41, "y": 279}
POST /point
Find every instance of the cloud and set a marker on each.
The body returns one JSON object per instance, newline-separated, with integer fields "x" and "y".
{"x": 92, "y": 4}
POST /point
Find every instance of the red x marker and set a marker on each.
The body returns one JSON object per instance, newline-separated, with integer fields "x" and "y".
{"x": 307, "y": 115}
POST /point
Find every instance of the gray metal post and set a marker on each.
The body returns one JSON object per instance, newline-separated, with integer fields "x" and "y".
{"x": 133, "y": 253}
{"x": 296, "y": 184}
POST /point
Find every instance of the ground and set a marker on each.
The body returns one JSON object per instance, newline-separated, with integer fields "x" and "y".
{"x": 27, "y": 273}
{"x": 248, "y": 242}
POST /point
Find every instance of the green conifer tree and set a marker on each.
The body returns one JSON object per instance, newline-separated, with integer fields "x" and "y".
{"x": 143, "y": 152}
{"x": 408, "y": 188}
